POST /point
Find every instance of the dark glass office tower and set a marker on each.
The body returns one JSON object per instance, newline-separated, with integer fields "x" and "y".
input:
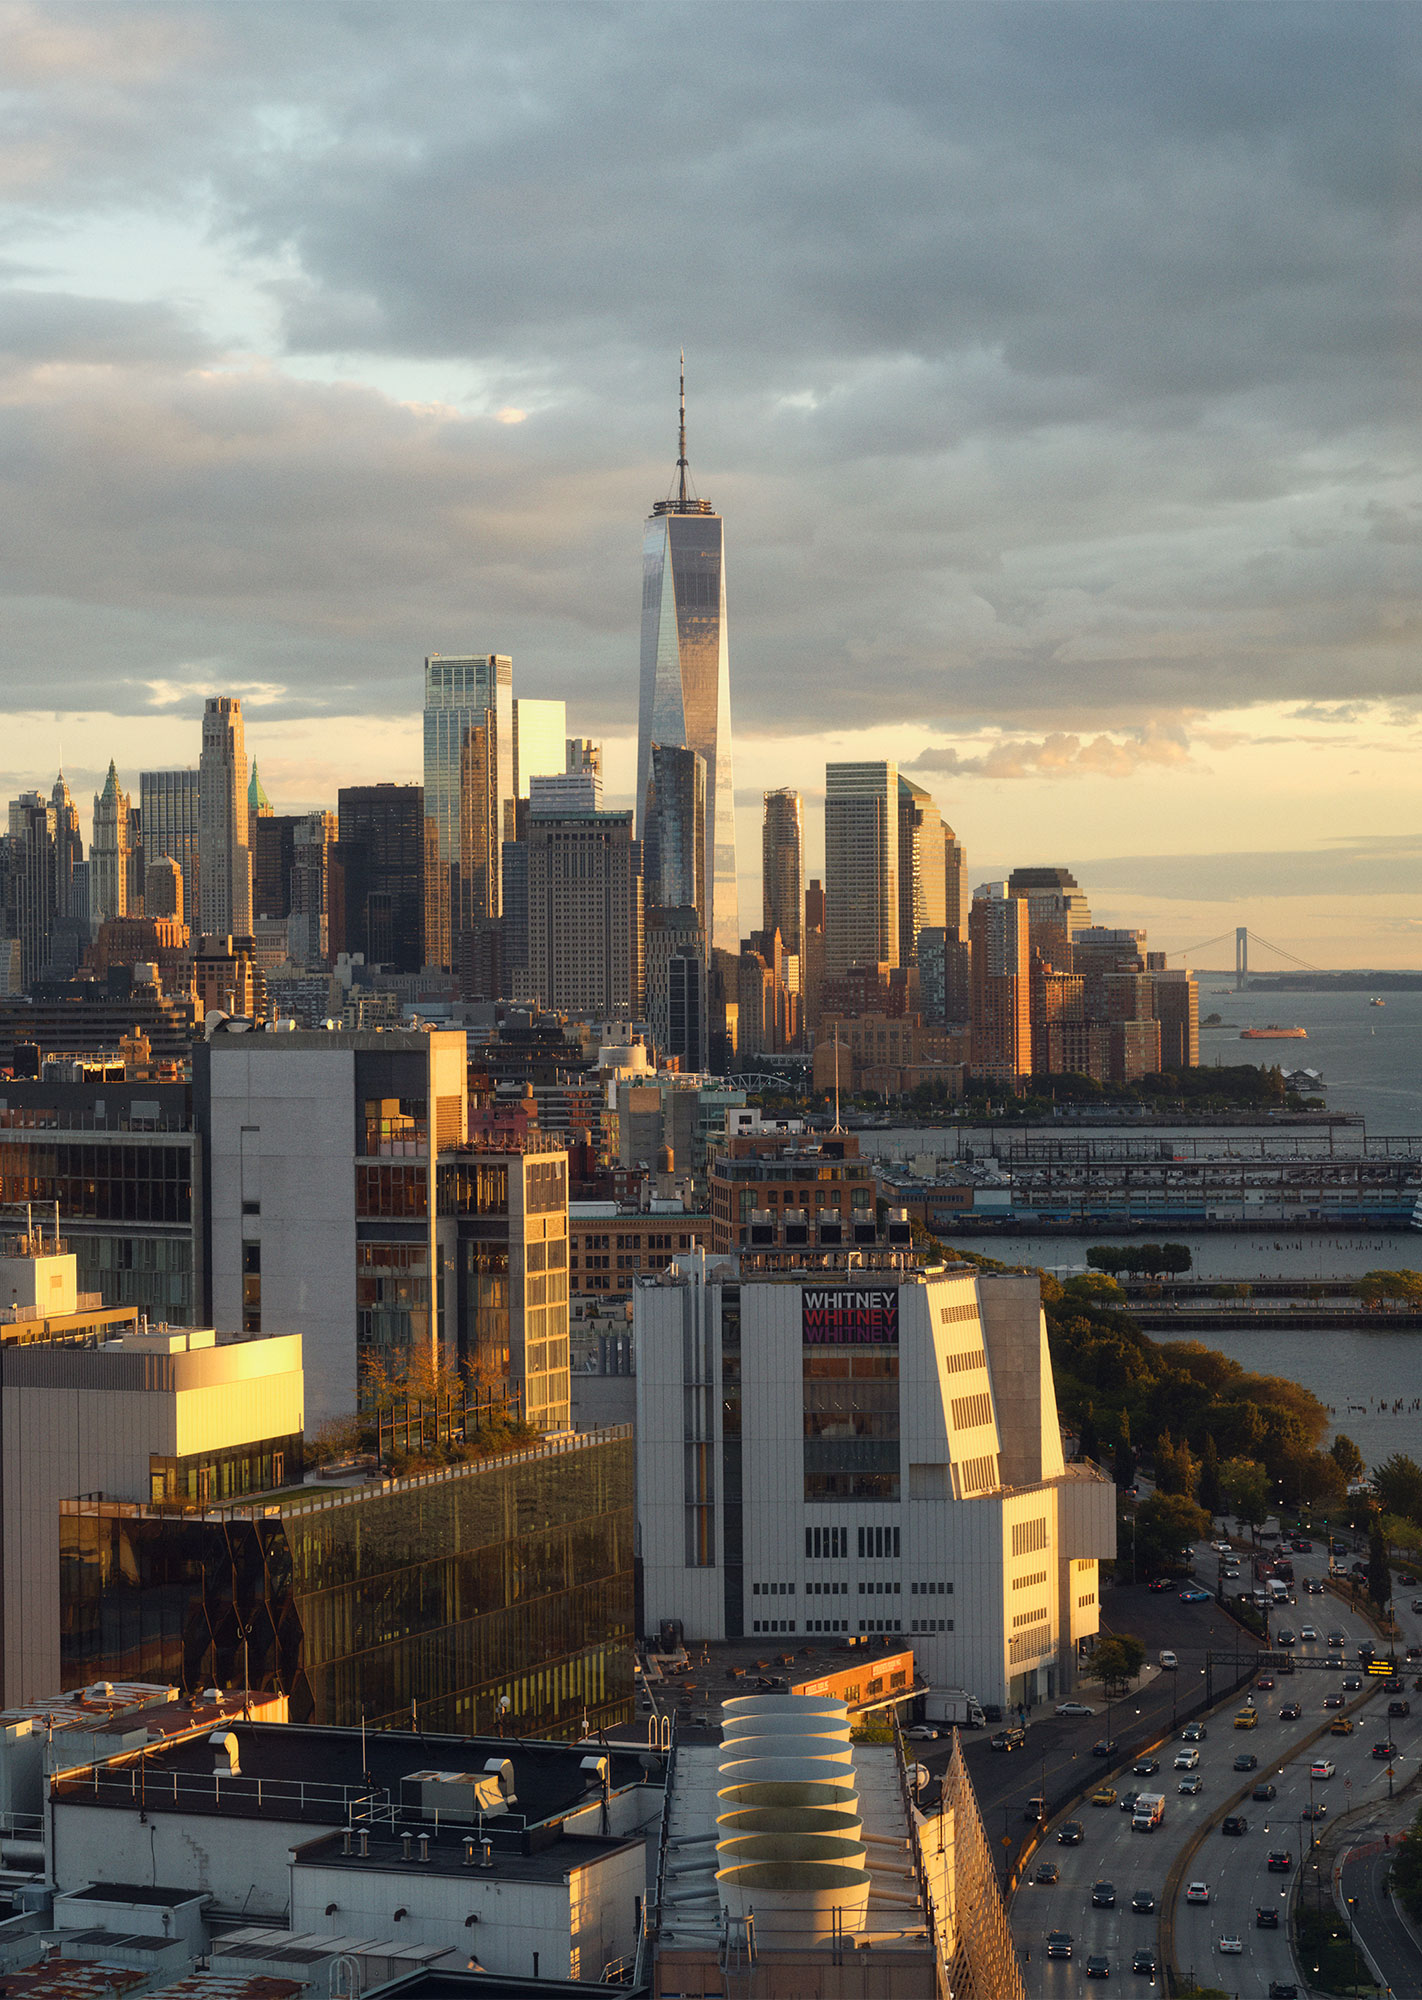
{"x": 686, "y": 676}
{"x": 674, "y": 830}
{"x": 381, "y": 852}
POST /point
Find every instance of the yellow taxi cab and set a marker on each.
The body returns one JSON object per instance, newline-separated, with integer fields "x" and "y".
{"x": 1248, "y": 1718}
{"x": 1106, "y": 1796}
{"x": 1341, "y": 1725}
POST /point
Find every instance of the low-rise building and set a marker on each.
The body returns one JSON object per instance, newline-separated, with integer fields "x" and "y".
{"x": 609, "y": 1247}
{"x": 819, "y": 1175}
{"x": 844, "y": 1443}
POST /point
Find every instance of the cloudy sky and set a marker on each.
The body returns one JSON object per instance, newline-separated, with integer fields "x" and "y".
{"x": 1055, "y": 368}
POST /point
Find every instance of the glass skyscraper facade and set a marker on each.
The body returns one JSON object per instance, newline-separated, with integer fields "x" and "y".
{"x": 463, "y": 692}
{"x": 686, "y": 678}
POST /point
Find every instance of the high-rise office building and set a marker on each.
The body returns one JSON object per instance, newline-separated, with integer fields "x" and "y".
{"x": 922, "y": 871}
{"x": 676, "y": 985}
{"x": 957, "y": 897}
{"x": 163, "y": 890}
{"x": 172, "y": 825}
{"x": 381, "y": 850}
{"x": 686, "y": 675}
{"x": 462, "y": 693}
{"x": 861, "y": 865}
{"x": 585, "y": 915}
{"x": 69, "y": 927}
{"x": 224, "y": 855}
{"x": 108, "y": 852}
{"x": 1002, "y": 1001}
{"x": 539, "y": 739}
{"x": 583, "y": 755}
{"x": 273, "y": 857}
{"x": 1056, "y": 911}
{"x": 308, "y": 924}
{"x": 1177, "y": 1008}
{"x": 674, "y": 830}
{"x": 782, "y": 864}
{"x": 30, "y": 886}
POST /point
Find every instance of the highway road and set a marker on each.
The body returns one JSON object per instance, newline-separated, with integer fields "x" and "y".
{"x": 1235, "y": 1867}
{"x": 1386, "y": 1939}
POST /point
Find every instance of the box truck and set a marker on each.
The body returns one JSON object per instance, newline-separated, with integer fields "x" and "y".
{"x": 953, "y": 1705}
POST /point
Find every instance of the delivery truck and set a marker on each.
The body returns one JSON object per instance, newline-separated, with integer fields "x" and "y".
{"x": 953, "y": 1705}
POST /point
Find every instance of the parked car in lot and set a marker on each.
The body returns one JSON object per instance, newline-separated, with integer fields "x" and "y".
{"x": 1161, "y": 1583}
{"x": 1074, "y": 1708}
{"x": 921, "y": 1733}
{"x": 1198, "y": 1892}
{"x": 1194, "y": 1596}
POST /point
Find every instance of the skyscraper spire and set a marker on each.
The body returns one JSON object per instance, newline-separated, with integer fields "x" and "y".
{"x": 681, "y": 440}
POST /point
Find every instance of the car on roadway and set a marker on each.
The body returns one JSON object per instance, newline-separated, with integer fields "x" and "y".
{"x": 1147, "y": 1767}
{"x": 1105, "y": 1746}
{"x": 1337, "y": 1548}
{"x": 1234, "y": 1824}
{"x": 1103, "y": 1895}
{"x": 1070, "y": 1833}
{"x": 1127, "y": 1801}
{"x": 1048, "y": 1875}
{"x": 1313, "y": 1586}
{"x": 1280, "y": 1861}
{"x": 1283, "y": 1989}
{"x": 1336, "y": 1638}
{"x": 1198, "y": 1892}
{"x": 1417, "y": 1604}
{"x": 1265, "y": 1681}
{"x": 1383, "y": 1750}
{"x": 1322, "y": 1767}
{"x": 1290, "y": 1712}
{"x": 1161, "y": 1583}
{"x": 1104, "y": 1796}
{"x": 1074, "y": 1708}
{"x": 1194, "y": 1595}
{"x": 1248, "y": 1718}
{"x": 1399, "y": 1708}
{"x": 1301, "y": 1547}
{"x": 1341, "y": 1725}
{"x": 1352, "y": 1684}
{"x": 921, "y": 1733}
{"x": 1144, "y": 1962}
{"x": 1231, "y": 1946}
{"x": 1186, "y": 1760}
{"x": 1222, "y": 1548}
{"x": 1266, "y": 1920}
{"x": 1008, "y": 1739}
{"x": 1317, "y": 1810}
{"x": 1059, "y": 1944}
{"x": 1035, "y": 1810}
{"x": 1333, "y": 1701}
{"x": 1286, "y": 1637}
{"x": 1143, "y": 1902}
{"x": 1246, "y": 1761}
{"x": 1194, "y": 1732}
{"x": 1098, "y": 1966}
{"x": 1264, "y": 1790}
{"x": 1308, "y": 1635}
{"x": 1191, "y": 1784}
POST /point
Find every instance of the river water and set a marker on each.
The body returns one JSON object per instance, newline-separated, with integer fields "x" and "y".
{"x": 1371, "y": 1061}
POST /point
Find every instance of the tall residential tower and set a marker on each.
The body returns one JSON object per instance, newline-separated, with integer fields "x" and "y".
{"x": 224, "y": 854}
{"x": 686, "y": 674}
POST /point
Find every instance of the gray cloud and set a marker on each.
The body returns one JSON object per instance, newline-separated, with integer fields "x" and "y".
{"x": 1361, "y": 867}
{"x": 1047, "y": 359}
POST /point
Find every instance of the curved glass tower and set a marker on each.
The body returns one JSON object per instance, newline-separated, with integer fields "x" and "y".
{"x": 686, "y": 675}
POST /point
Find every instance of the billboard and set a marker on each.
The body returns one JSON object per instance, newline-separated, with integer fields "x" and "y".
{"x": 849, "y": 1315}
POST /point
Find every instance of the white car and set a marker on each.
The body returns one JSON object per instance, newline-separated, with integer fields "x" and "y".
{"x": 1186, "y": 1760}
{"x": 1322, "y": 1767}
{"x": 1198, "y": 1892}
{"x": 922, "y": 1734}
{"x": 1221, "y": 1548}
{"x": 1074, "y": 1708}
{"x": 1232, "y": 1946}
{"x": 1307, "y": 1633}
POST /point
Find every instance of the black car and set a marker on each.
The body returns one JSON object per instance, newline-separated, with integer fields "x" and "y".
{"x": 1098, "y": 1966}
{"x": 1280, "y": 1861}
{"x": 1047, "y": 1875}
{"x": 1070, "y": 1833}
{"x": 1283, "y": 1989}
{"x": 1316, "y": 1811}
{"x": 1008, "y": 1739}
{"x": 1352, "y": 1684}
{"x": 1143, "y": 1902}
{"x": 1384, "y": 1750}
{"x": 1333, "y": 1701}
{"x": 1035, "y": 1810}
{"x": 1107, "y": 1747}
{"x": 1290, "y": 1712}
{"x": 1059, "y": 1944}
{"x": 1144, "y": 1961}
{"x": 1246, "y": 1761}
{"x": 1147, "y": 1767}
{"x": 1103, "y": 1895}
{"x": 1399, "y": 1708}
{"x": 1266, "y": 1920}
{"x": 1264, "y": 1791}
{"x": 1235, "y": 1824}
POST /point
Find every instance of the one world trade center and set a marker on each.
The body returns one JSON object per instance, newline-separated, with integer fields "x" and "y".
{"x": 686, "y": 675}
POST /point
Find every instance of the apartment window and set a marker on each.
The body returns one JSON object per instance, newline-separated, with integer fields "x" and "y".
{"x": 823, "y": 1544}
{"x": 930, "y": 1590}
{"x": 930, "y": 1624}
{"x": 878, "y": 1542}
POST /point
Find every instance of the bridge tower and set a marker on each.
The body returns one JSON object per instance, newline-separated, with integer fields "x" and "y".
{"x": 1241, "y": 958}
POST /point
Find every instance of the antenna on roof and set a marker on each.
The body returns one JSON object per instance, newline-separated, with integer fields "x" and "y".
{"x": 681, "y": 441}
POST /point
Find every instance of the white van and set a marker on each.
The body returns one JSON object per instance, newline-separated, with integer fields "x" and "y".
{"x": 1169, "y": 1662}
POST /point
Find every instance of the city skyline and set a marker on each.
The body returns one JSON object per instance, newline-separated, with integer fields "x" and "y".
{"x": 1089, "y": 498}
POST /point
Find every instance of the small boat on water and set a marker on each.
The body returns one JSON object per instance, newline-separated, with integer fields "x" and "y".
{"x": 1273, "y": 1033}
